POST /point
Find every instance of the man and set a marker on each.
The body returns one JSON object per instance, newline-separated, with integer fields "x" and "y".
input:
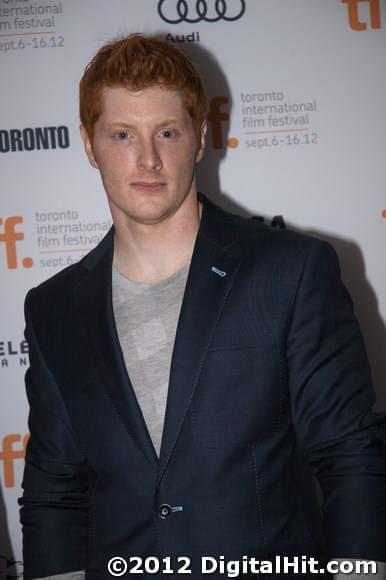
{"x": 185, "y": 370}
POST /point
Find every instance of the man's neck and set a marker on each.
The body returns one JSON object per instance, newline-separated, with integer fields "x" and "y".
{"x": 151, "y": 254}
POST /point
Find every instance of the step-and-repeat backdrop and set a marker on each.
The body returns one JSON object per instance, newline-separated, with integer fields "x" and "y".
{"x": 297, "y": 138}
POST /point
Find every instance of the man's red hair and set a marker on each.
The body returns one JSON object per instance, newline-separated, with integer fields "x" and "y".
{"x": 138, "y": 62}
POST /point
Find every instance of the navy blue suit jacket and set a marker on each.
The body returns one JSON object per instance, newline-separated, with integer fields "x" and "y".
{"x": 268, "y": 372}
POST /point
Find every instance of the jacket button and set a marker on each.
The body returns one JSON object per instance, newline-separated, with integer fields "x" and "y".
{"x": 165, "y": 510}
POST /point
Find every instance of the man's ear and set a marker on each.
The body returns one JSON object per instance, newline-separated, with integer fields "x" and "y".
{"x": 88, "y": 147}
{"x": 201, "y": 148}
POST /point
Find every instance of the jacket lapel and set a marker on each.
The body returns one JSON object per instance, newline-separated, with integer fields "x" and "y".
{"x": 93, "y": 297}
{"x": 214, "y": 265}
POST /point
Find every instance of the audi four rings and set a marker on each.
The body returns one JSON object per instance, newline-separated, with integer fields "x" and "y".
{"x": 176, "y": 11}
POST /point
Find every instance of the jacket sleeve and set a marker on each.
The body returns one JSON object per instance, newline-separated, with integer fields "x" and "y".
{"x": 332, "y": 398}
{"x": 54, "y": 512}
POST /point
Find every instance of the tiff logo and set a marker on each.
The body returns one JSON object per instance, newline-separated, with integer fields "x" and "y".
{"x": 10, "y": 236}
{"x": 8, "y": 455}
{"x": 353, "y": 14}
{"x": 216, "y": 117}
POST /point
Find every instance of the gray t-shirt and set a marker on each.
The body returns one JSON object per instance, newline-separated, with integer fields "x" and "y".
{"x": 146, "y": 317}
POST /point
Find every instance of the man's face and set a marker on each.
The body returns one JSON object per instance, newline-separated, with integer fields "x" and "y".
{"x": 145, "y": 148}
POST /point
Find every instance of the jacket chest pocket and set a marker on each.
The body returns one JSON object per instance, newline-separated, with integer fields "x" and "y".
{"x": 239, "y": 397}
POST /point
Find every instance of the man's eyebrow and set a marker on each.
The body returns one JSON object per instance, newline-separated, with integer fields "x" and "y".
{"x": 120, "y": 124}
{"x": 133, "y": 126}
{"x": 170, "y": 122}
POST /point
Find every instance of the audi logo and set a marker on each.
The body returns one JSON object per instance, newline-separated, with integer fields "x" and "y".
{"x": 192, "y": 11}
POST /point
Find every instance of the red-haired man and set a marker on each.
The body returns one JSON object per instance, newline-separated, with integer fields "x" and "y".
{"x": 184, "y": 372}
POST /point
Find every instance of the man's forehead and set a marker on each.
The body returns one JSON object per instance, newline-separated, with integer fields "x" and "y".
{"x": 152, "y": 107}
{"x": 151, "y": 99}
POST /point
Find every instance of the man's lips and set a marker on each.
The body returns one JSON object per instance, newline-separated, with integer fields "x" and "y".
{"x": 149, "y": 185}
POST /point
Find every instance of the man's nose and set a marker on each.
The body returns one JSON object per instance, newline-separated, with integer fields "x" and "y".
{"x": 148, "y": 156}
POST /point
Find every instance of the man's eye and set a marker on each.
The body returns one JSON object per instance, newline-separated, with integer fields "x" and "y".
{"x": 168, "y": 133}
{"x": 122, "y": 135}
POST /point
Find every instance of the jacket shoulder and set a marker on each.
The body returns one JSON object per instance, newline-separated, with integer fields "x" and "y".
{"x": 59, "y": 286}
{"x": 258, "y": 238}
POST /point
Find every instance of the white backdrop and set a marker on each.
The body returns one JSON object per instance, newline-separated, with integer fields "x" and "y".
{"x": 298, "y": 130}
